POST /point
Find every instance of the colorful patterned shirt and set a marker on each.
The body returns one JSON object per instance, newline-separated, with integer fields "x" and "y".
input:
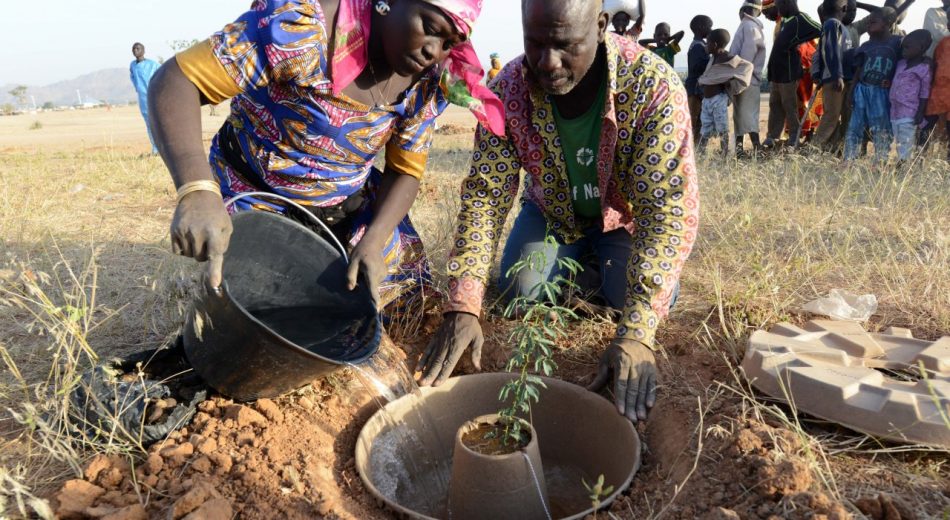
{"x": 300, "y": 140}
{"x": 910, "y": 86}
{"x": 648, "y": 182}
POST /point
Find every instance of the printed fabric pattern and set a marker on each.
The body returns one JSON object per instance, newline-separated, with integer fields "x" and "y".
{"x": 648, "y": 182}
{"x": 462, "y": 72}
{"x": 301, "y": 140}
{"x": 911, "y": 84}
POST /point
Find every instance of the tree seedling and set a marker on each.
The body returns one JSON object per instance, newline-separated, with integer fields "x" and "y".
{"x": 597, "y": 492}
{"x": 541, "y": 322}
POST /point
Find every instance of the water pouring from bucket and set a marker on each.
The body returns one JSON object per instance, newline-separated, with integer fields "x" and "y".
{"x": 285, "y": 317}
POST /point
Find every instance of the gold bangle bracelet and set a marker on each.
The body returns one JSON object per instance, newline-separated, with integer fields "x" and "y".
{"x": 192, "y": 187}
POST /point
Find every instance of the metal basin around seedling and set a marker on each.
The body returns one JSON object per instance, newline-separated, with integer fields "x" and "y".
{"x": 405, "y": 450}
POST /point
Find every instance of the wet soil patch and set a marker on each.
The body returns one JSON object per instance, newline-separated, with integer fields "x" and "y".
{"x": 490, "y": 439}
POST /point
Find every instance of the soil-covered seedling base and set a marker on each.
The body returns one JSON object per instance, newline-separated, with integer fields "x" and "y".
{"x": 488, "y": 439}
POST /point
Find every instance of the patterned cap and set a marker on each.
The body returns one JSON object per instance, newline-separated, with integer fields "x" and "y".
{"x": 461, "y": 71}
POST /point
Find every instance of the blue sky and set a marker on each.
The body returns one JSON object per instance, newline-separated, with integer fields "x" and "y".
{"x": 60, "y": 39}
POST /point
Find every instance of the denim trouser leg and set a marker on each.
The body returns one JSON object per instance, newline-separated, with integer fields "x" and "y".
{"x": 871, "y": 112}
{"x": 613, "y": 252}
{"x": 858, "y": 124}
{"x": 905, "y": 134}
{"x": 527, "y": 237}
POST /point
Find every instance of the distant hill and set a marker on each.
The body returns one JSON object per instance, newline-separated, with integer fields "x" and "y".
{"x": 108, "y": 85}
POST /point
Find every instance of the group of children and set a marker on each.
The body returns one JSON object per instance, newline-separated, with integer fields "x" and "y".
{"x": 895, "y": 90}
{"x": 892, "y": 87}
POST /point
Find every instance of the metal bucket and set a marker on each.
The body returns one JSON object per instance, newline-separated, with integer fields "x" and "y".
{"x": 283, "y": 317}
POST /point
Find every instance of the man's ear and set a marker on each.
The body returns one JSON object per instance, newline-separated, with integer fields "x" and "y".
{"x": 603, "y": 22}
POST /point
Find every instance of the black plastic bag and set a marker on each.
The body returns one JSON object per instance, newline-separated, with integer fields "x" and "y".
{"x": 116, "y": 398}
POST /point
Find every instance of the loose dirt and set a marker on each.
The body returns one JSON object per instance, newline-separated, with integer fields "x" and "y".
{"x": 293, "y": 457}
{"x": 489, "y": 439}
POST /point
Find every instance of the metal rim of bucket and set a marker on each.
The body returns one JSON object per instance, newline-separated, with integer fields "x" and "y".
{"x": 222, "y": 292}
{"x": 405, "y": 512}
{"x": 311, "y": 216}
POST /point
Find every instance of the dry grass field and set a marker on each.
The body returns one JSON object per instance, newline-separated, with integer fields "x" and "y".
{"x": 86, "y": 274}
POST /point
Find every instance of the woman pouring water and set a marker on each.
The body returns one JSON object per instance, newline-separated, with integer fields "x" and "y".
{"x": 318, "y": 89}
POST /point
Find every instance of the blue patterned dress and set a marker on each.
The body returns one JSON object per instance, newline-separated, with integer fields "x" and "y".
{"x": 298, "y": 139}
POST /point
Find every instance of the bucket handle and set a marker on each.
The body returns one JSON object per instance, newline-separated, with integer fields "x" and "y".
{"x": 285, "y": 200}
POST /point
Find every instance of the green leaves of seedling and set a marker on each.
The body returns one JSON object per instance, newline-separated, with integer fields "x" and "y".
{"x": 541, "y": 322}
{"x": 597, "y": 492}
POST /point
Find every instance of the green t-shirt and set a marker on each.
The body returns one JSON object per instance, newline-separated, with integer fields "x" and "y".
{"x": 580, "y": 141}
{"x": 667, "y": 52}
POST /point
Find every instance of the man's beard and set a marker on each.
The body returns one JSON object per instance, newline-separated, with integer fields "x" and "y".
{"x": 572, "y": 82}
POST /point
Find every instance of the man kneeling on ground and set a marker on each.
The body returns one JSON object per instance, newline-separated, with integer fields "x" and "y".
{"x": 602, "y": 129}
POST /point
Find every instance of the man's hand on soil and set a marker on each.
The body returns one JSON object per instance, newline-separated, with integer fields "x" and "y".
{"x": 458, "y": 331}
{"x": 632, "y": 367}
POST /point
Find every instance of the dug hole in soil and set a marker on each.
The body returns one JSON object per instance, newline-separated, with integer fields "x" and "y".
{"x": 294, "y": 457}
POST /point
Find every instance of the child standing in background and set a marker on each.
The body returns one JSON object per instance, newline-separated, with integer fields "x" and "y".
{"x": 726, "y": 77}
{"x": 939, "y": 104}
{"x": 898, "y": 8}
{"x": 495, "y": 66}
{"x": 935, "y": 22}
{"x": 834, "y": 72}
{"x": 749, "y": 44}
{"x": 664, "y": 45}
{"x": 910, "y": 91}
{"x": 698, "y": 59}
{"x": 875, "y": 62}
{"x": 626, "y": 16}
{"x": 785, "y": 72}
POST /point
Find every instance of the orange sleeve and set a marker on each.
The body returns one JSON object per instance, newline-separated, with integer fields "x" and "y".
{"x": 202, "y": 68}
{"x": 405, "y": 162}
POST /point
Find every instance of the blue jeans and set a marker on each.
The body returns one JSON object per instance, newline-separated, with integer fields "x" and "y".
{"x": 612, "y": 251}
{"x": 143, "y": 108}
{"x": 905, "y": 134}
{"x": 872, "y": 111}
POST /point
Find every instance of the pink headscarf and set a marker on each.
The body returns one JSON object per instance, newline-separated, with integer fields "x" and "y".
{"x": 462, "y": 74}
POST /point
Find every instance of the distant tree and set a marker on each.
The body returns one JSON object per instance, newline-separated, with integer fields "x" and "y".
{"x": 180, "y": 45}
{"x": 19, "y": 93}
{"x": 7, "y": 109}
{"x": 48, "y": 105}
